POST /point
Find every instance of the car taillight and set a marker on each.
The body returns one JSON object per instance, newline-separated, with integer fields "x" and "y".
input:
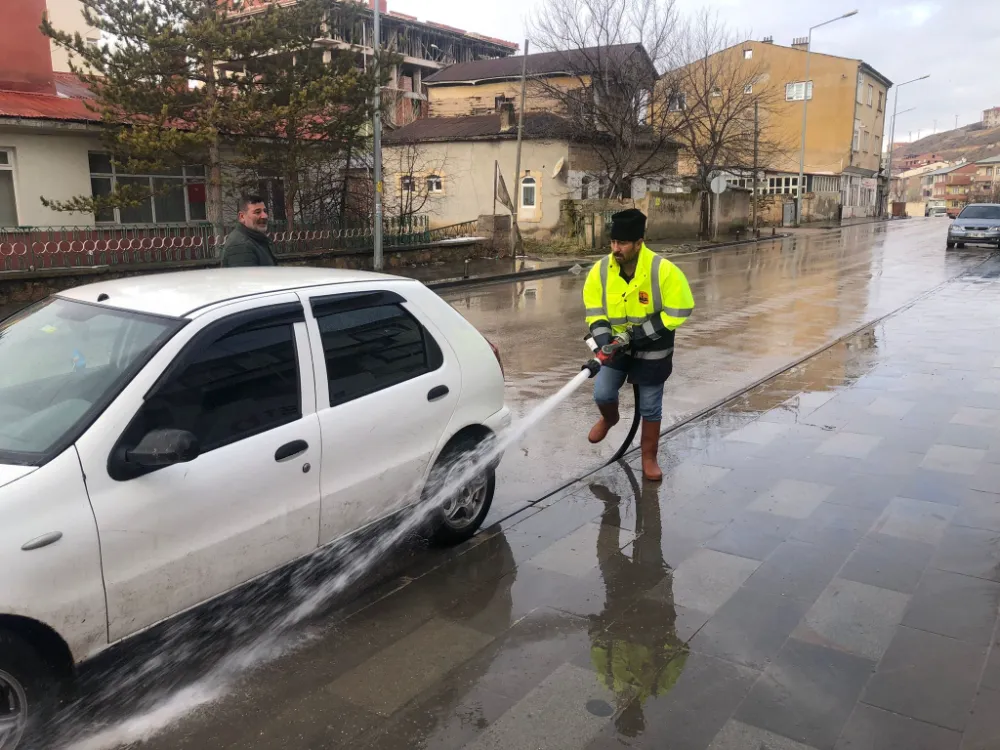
{"x": 496, "y": 353}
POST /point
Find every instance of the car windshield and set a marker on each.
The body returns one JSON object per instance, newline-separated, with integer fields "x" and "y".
{"x": 980, "y": 212}
{"x": 59, "y": 362}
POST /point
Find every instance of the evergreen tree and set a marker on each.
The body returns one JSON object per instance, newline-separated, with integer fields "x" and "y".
{"x": 182, "y": 82}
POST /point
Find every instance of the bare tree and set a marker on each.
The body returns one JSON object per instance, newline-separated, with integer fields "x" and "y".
{"x": 611, "y": 54}
{"x": 711, "y": 93}
{"x": 415, "y": 182}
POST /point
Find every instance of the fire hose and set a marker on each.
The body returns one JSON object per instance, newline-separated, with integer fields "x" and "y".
{"x": 602, "y": 356}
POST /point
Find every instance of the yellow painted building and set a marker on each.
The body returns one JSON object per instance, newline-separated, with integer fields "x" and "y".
{"x": 845, "y": 126}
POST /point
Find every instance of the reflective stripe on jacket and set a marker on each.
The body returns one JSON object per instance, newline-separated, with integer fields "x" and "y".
{"x": 651, "y": 307}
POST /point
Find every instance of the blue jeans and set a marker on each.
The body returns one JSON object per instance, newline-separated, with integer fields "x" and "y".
{"x": 608, "y": 382}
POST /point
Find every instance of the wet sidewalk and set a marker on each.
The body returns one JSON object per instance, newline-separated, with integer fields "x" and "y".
{"x": 820, "y": 569}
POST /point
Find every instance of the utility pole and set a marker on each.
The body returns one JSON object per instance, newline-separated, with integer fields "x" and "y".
{"x": 956, "y": 122}
{"x": 377, "y": 137}
{"x": 756, "y": 148}
{"x": 805, "y": 109}
{"x": 892, "y": 136}
{"x": 517, "y": 159}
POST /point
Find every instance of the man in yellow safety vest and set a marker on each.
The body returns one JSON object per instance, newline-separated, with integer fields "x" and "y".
{"x": 637, "y": 295}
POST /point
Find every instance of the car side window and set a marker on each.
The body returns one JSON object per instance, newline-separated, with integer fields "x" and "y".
{"x": 369, "y": 349}
{"x": 240, "y": 384}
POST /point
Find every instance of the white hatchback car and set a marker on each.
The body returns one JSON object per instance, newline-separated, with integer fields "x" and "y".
{"x": 167, "y": 438}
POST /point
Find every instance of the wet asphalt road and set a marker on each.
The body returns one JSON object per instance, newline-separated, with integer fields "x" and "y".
{"x": 497, "y": 644}
{"x": 758, "y": 308}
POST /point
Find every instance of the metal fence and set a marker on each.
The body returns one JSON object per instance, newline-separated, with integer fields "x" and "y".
{"x": 454, "y": 231}
{"x": 36, "y": 248}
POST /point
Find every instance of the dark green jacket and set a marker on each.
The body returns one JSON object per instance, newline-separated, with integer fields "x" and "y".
{"x": 247, "y": 247}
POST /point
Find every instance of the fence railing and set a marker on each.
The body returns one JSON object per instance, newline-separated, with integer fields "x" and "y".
{"x": 454, "y": 231}
{"x": 37, "y": 248}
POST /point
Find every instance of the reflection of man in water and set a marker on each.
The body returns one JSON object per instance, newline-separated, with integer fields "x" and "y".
{"x": 635, "y": 648}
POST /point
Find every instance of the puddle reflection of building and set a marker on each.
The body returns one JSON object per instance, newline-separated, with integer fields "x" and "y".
{"x": 634, "y": 643}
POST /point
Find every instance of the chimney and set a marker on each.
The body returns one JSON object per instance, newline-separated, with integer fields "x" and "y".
{"x": 25, "y": 54}
{"x": 768, "y": 40}
{"x": 507, "y": 119}
{"x": 801, "y": 43}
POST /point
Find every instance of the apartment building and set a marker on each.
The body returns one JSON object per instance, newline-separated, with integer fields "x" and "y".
{"x": 424, "y": 46}
{"x": 844, "y": 132}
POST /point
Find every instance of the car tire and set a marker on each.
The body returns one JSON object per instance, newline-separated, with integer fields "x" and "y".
{"x": 950, "y": 245}
{"x": 960, "y": 245}
{"x": 29, "y": 692}
{"x": 458, "y": 515}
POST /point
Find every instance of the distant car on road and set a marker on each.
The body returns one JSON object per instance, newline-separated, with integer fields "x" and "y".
{"x": 167, "y": 438}
{"x": 936, "y": 211}
{"x": 978, "y": 223}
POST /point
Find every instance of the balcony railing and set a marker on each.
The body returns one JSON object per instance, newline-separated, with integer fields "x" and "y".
{"x": 36, "y": 248}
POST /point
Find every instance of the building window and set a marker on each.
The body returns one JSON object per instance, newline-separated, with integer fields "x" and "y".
{"x": 871, "y": 95}
{"x": 177, "y": 196}
{"x": 857, "y": 140}
{"x": 864, "y": 141}
{"x": 499, "y": 101}
{"x": 406, "y": 183}
{"x": 8, "y": 201}
{"x": 677, "y": 103}
{"x": 584, "y": 188}
{"x": 434, "y": 184}
{"x": 861, "y": 89}
{"x": 528, "y": 192}
{"x": 748, "y": 54}
{"x": 748, "y": 89}
{"x": 878, "y": 148}
{"x": 795, "y": 91}
{"x": 880, "y": 95}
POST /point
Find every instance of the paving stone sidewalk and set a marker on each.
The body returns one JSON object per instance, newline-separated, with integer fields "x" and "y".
{"x": 819, "y": 570}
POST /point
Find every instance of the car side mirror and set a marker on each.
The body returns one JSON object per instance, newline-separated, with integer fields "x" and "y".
{"x": 161, "y": 448}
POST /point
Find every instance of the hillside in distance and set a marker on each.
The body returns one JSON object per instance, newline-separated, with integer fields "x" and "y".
{"x": 970, "y": 142}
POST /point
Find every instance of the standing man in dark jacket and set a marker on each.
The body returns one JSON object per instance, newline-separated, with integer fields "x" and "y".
{"x": 248, "y": 245}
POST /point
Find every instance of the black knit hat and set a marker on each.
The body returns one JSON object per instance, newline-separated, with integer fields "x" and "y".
{"x": 628, "y": 225}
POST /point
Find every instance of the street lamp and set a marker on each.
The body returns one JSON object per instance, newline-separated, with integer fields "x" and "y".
{"x": 892, "y": 131}
{"x": 888, "y": 181}
{"x": 805, "y": 108}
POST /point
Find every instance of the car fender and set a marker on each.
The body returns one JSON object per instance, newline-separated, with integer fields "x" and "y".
{"x": 50, "y": 555}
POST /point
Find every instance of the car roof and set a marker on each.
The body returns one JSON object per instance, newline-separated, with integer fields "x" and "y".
{"x": 181, "y": 293}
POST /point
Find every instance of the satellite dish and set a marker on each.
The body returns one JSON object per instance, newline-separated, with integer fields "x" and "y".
{"x": 718, "y": 184}
{"x": 559, "y": 167}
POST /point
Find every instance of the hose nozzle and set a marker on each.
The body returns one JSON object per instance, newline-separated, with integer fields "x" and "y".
{"x": 593, "y": 366}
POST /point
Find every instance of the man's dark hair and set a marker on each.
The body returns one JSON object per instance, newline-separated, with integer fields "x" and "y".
{"x": 249, "y": 199}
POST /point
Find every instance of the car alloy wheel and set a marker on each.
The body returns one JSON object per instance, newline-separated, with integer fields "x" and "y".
{"x": 464, "y": 507}
{"x": 13, "y": 711}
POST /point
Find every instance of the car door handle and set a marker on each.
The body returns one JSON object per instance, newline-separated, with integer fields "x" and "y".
{"x": 291, "y": 450}
{"x": 439, "y": 392}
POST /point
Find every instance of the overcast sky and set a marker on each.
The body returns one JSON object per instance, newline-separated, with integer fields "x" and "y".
{"x": 956, "y": 41}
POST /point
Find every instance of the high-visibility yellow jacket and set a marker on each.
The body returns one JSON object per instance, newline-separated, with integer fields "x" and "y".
{"x": 651, "y": 307}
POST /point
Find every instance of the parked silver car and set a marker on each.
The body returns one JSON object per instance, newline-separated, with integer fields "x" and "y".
{"x": 978, "y": 223}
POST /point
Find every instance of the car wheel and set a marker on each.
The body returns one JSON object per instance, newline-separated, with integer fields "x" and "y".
{"x": 960, "y": 245}
{"x": 950, "y": 245}
{"x": 460, "y": 509}
{"x": 28, "y": 690}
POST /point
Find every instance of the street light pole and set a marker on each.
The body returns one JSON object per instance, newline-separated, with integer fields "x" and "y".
{"x": 805, "y": 108}
{"x": 892, "y": 135}
{"x": 377, "y": 138}
{"x": 892, "y": 139}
